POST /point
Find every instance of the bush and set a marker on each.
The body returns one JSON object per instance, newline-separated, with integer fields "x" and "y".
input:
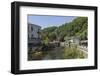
{"x": 73, "y": 53}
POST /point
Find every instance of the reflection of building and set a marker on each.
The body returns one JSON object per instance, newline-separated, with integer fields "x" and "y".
{"x": 34, "y": 36}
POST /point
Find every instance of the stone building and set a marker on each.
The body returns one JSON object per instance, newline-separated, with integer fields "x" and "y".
{"x": 34, "y": 36}
{"x": 71, "y": 41}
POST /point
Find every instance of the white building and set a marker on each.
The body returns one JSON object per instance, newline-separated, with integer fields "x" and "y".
{"x": 71, "y": 40}
{"x": 34, "y": 33}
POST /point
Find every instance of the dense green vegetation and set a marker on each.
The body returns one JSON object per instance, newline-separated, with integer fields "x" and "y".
{"x": 78, "y": 27}
{"x": 73, "y": 53}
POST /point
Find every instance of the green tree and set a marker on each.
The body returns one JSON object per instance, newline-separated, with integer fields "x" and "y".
{"x": 46, "y": 41}
{"x": 78, "y": 27}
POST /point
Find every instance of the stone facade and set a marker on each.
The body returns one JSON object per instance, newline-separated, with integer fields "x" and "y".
{"x": 34, "y": 36}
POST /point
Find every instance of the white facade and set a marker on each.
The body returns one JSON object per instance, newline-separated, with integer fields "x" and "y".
{"x": 71, "y": 40}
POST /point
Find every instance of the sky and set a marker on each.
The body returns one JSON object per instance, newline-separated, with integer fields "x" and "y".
{"x": 47, "y": 21}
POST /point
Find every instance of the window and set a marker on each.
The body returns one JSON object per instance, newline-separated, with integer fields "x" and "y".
{"x": 32, "y": 36}
{"x": 31, "y": 28}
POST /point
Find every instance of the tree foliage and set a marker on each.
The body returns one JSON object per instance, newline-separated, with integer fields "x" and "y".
{"x": 78, "y": 27}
